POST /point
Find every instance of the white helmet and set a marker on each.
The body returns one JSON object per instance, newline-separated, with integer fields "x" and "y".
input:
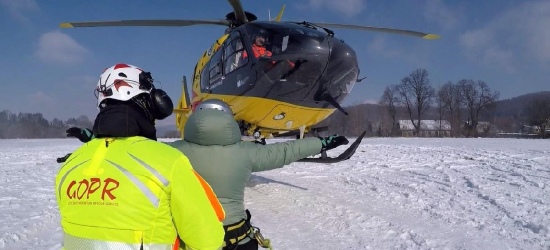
{"x": 214, "y": 104}
{"x": 122, "y": 82}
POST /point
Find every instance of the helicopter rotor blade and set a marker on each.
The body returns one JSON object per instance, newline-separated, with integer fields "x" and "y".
{"x": 169, "y": 23}
{"x": 240, "y": 16}
{"x": 379, "y": 29}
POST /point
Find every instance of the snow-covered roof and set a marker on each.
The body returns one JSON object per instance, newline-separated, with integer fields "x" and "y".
{"x": 425, "y": 125}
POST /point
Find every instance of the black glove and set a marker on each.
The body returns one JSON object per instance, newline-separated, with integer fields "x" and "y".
{"x": 333, "y": 141}
{"x": 64, "y": 158}
{"x": 83, "y": 134}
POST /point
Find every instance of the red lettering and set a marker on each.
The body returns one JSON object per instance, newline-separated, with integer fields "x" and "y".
{"x": 108, "y": 191}
{"x": 81, "y": 194}
{"x": 70, "y": 194}
{"x": 89, "y": 187}
{"x": 91, "y": 190}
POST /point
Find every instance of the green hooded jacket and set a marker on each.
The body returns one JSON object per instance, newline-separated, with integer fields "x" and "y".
{"x": 212, "y": 142}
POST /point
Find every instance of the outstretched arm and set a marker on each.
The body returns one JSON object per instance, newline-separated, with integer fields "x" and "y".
{"x": 83, "y": 134}
{"x": 276, "y": 155}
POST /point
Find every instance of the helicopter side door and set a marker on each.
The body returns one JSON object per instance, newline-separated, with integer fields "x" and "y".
{"x": 238, "y": 74}
{"x": 227, "y": 72}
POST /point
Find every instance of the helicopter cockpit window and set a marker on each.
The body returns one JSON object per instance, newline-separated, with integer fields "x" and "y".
{"x": 234, "y": 53}
{"x": 267, "y": 40}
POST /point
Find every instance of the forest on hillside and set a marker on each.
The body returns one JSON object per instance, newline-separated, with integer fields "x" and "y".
{"x": 508, "y": 116}
{"x": 466, "y": 108}
{"x": 34, "y": 125}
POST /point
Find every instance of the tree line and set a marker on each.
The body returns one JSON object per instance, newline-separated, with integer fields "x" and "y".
{"x": 462, "y": 105}
{"x": 34, "y": 125}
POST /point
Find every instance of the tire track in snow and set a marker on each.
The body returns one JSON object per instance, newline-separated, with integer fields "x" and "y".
{"x": 38, "y": 204}
{"x": 395, "y": 199}
{"x": 28, "y": 196}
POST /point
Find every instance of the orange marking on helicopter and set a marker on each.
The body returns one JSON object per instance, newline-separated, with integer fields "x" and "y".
{"x": 194, "y": 105}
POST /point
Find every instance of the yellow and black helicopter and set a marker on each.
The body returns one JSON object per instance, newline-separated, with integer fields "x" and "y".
{"x": 301, "y": 81}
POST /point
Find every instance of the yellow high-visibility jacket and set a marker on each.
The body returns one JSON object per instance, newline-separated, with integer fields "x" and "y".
{"x": 135, "y": 193}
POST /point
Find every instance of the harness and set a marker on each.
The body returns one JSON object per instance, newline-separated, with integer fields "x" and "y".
{"x": 236, "y": 232}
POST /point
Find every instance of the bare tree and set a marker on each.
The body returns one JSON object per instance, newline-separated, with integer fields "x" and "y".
{"x": 389, "y": 100}
{"x": 451, "y": 101}
{"x": 538, "y": 114}
{"x": 171, "y": 134}
{"x": 416, "y": 95}
{"x": 440, "y": 111}
{"x": 355, "y": 119}
{"x": 337, "y": 123}
{"x": 476, "y": 96}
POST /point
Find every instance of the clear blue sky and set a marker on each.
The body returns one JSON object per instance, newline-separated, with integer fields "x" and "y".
{"x": 54, "y": 71}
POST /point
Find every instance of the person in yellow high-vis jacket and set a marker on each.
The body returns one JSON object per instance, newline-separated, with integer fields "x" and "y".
{"x": 125, "y": 190}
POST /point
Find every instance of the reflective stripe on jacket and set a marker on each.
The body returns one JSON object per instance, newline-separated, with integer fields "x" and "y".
{"x": 134, "y": 192}
{"x": 72, "y": 242}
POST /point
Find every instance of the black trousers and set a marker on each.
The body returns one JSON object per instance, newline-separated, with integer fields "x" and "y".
{"x": 251, "y": 245}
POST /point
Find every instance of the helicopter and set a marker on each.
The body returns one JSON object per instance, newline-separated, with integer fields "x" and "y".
{"x": 305, "y": 77}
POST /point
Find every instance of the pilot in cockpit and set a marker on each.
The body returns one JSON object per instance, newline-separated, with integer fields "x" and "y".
{"x": 259, "y": 42}
{"x": 259, "y": 48}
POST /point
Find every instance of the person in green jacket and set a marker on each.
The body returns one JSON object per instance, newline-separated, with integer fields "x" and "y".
{"x": 212, "y": 142}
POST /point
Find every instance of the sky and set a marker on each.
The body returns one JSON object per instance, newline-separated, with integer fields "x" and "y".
{"x": 394, "y": 193}
{"x": 51, "y": 70}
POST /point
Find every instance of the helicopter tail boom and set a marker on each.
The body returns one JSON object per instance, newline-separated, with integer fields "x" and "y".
{"x": 183, "y": 109}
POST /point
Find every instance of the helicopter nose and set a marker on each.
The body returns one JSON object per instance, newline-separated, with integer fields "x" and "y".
{"x": 309, "y": 70}
{"x": 340, "y": 74}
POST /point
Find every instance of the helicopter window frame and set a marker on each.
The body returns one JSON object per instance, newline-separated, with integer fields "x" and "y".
{"x": 205, "y": 77}
{"x": 234, "y": 49}
{"x": 215, "y": 67}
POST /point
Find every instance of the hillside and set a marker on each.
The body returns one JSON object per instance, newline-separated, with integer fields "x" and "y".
{"x": 508, "y": 115}
{"x": 514, "y": 107}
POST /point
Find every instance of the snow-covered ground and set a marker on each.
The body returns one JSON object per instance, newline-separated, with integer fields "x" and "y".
{"x": 393, "y": 193}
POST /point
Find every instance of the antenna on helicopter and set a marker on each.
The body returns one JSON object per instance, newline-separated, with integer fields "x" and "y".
{"x": 278, "y": 17}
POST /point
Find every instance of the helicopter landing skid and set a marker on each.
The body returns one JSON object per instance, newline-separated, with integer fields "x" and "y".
{"x": 342, "y": 157}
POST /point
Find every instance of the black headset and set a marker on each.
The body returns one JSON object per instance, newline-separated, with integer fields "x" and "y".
{"x": 160, "y": 101}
